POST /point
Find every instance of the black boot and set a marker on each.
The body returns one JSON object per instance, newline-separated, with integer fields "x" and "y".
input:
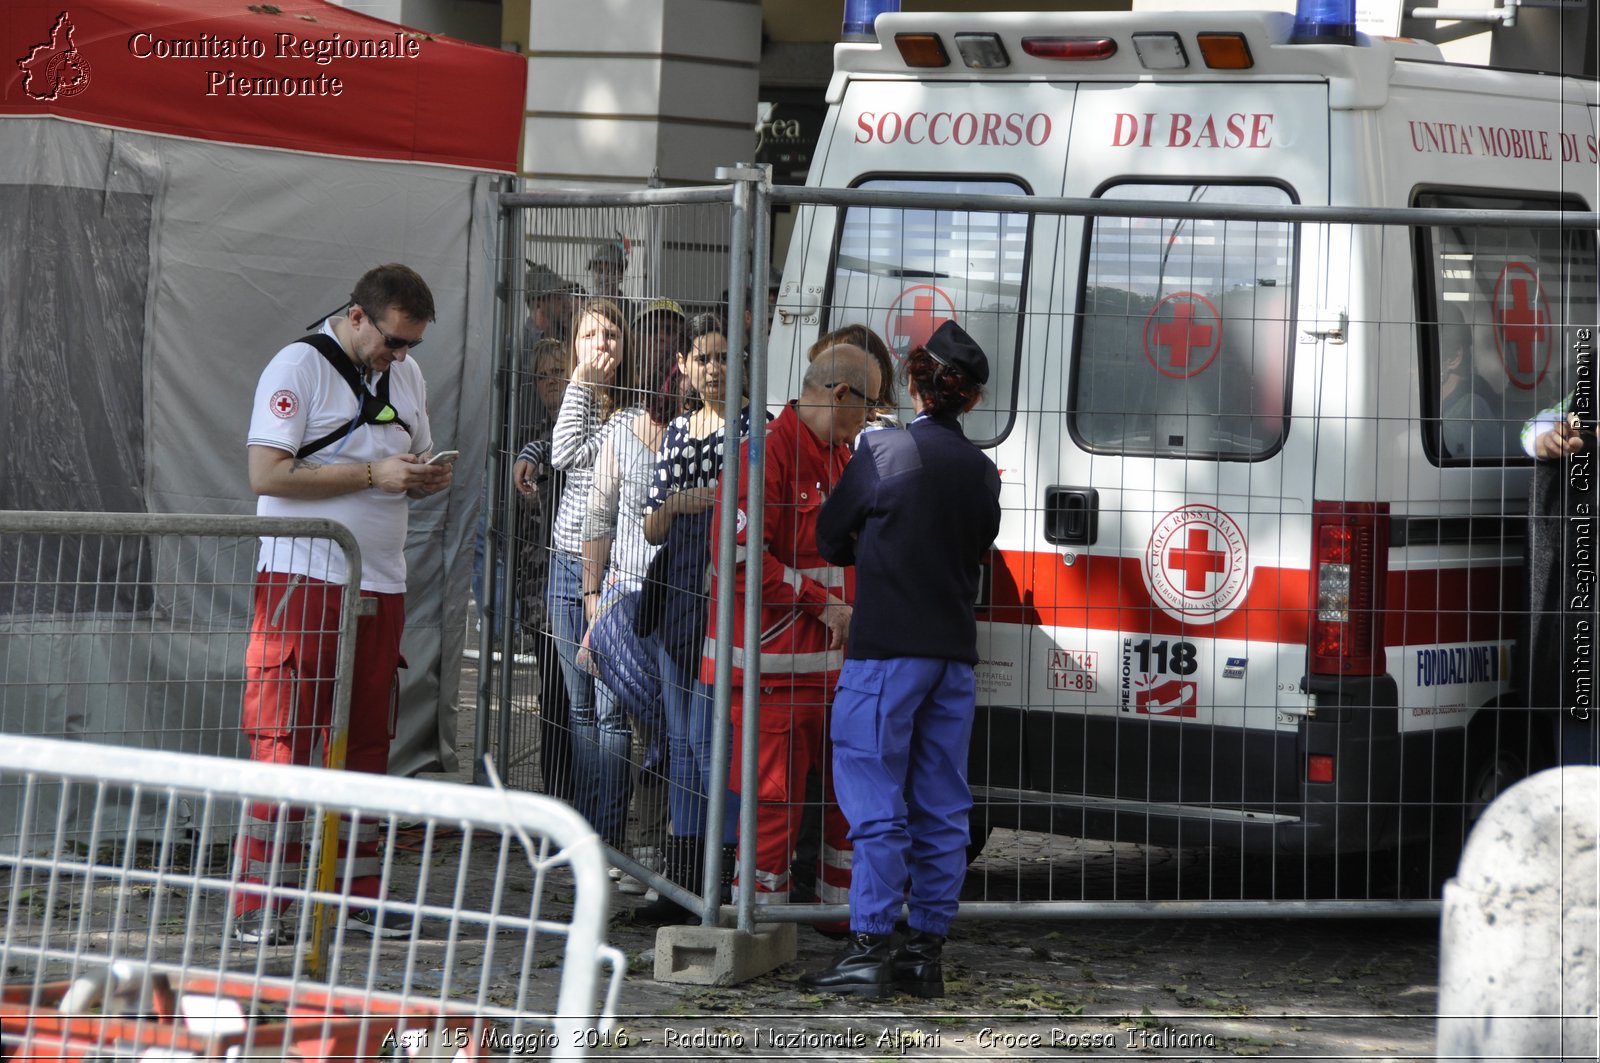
{"x": 919, "y": 965}
{"x": 865, "y": 968}
{"x": 684, "y": 865}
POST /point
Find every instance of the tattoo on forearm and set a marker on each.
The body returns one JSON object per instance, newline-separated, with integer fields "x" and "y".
{"x": 299, "y": 463}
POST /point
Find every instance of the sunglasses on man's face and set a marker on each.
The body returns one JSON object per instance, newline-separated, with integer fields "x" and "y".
{"x": 394, "y": 343}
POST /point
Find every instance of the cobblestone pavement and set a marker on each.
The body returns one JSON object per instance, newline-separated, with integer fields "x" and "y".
{"x": 1185, "y": 988}
{"x": 1037, "y": 988}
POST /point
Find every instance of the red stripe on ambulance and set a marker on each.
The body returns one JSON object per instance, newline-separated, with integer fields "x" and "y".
{"x": 1437, "y": 607}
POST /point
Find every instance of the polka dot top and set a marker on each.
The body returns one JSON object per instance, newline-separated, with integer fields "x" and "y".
{"x": 687, "y": 461}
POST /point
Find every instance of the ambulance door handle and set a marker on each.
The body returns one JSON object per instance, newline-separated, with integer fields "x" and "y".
{"x": 1071, "y": 515}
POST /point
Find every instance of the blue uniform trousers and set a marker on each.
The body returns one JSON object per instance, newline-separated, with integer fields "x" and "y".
{"x": 901, "y": 728}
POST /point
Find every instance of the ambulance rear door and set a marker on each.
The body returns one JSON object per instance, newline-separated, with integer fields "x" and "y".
{"x": 1167, "y": 561}
{"x": 904, "y": 271}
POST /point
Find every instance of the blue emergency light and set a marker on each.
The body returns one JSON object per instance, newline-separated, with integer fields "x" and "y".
{"x": 1324, "y": 22}
{"x": 859, "y": 15}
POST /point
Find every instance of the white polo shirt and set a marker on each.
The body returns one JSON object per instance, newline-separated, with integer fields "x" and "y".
{"x": 301, "y": 398}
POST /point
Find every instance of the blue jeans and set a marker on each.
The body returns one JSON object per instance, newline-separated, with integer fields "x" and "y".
{"x": 600, "y": 736}
{"x": 689, "y": 710}
{"x": 603, "y": 763}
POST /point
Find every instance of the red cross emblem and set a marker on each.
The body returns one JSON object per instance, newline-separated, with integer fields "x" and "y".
{"x": 1182, "y": 335}
{"x": 283, "y": 404}
{"x": 1522, "y": 325}
{"x": 1196, "y": 560}
{"x": 1197, "y": 563}
{"x": 914, "y": 316}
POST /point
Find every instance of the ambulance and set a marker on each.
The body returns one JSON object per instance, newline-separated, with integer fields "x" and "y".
{"x": 1260, "y": 579}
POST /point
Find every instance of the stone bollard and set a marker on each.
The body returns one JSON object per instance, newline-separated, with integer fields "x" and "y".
{"x": 1519, "y": 950}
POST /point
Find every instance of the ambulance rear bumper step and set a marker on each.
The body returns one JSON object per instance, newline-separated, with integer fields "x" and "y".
{"x": 996, "y": 795}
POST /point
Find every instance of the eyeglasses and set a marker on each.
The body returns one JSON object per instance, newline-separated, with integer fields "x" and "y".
{"x": 866, "y": 399}
{"x": 394, "y": 343}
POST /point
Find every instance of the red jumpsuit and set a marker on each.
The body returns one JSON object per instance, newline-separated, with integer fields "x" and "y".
{"x": 798, "y": 670}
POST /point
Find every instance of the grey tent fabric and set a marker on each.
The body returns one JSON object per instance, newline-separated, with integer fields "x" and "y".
{"x": 147, "y": 280}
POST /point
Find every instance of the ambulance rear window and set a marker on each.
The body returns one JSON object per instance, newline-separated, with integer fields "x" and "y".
{"x": 1183, "y": 343}
{"x": 1501, "y": 314}
{"x": 904, "y": 272}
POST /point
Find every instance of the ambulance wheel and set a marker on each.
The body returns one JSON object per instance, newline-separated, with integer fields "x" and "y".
{"x": 1490, "y": 774}
{"x": 1498, "y": 757}
{"x": 1503, "y": 747}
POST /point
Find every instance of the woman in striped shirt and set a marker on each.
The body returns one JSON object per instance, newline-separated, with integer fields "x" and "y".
{"x": 601, "y": 398}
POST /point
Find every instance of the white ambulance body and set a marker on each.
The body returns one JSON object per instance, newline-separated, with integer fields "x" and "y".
{"x": 1202, "y": 426}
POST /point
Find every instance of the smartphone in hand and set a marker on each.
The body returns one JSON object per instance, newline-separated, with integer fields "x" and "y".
{"x": 444, "y": 457}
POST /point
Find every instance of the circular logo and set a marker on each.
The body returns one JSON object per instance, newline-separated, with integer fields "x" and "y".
{"x": 1197, "y": 564}
{"x": 741, "y": 522}
{"x": 284, "y": 404}
{"x": 67, "y": 75}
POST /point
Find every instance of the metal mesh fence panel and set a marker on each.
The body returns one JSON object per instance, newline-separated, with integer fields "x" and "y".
{"x": 577, "y": 466}
{"x": 135, "y": 630}
{"x": 118, "y": 942}
{"x": 1256, "y": 626}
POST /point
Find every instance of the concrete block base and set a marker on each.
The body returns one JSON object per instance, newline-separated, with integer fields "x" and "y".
{"x": 722, "y": 955}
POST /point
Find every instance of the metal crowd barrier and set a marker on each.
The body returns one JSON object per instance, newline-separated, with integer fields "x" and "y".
{"x": 120, "y": 943}
{"x": 131, "y": 628}
{"x": 1213, "y": 829}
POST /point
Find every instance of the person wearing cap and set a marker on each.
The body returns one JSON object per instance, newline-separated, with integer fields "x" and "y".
{"x": 660, "y": 334}
{"x": 606, "y": 267}
{"x": 915, "y": 512}
{"x": 551, "y": 298}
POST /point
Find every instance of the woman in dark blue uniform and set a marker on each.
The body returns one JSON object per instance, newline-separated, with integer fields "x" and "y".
{"x": 915, "y": 512}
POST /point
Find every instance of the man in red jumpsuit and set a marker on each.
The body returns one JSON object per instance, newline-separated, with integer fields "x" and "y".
{"x": 339, "y": 429}
{"x": 805, "y": 614}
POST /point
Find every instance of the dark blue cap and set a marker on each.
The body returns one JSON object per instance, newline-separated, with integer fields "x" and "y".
{"x": 950, "y": 345}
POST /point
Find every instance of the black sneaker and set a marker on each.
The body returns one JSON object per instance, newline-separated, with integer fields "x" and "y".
{"x": 388, "y": 924}
{"x": 260, "y": 926}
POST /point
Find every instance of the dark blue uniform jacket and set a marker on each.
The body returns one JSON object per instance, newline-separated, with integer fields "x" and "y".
{"x": 915, "y": 512}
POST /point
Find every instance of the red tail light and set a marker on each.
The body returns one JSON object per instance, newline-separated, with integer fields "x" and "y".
{"x": 1070, "y": 47}
{"x": 1349, "y": 568}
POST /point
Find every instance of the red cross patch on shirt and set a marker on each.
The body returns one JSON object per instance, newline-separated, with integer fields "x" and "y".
{"x": 284, "y": 404}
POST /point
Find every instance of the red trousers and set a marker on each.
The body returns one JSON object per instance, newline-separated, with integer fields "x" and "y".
{"x": 288, "y": 708}
{"x": 793, "y": 742}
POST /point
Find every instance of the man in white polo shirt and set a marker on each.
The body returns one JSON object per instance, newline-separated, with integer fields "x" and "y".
{"x": 339, "y": 429}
